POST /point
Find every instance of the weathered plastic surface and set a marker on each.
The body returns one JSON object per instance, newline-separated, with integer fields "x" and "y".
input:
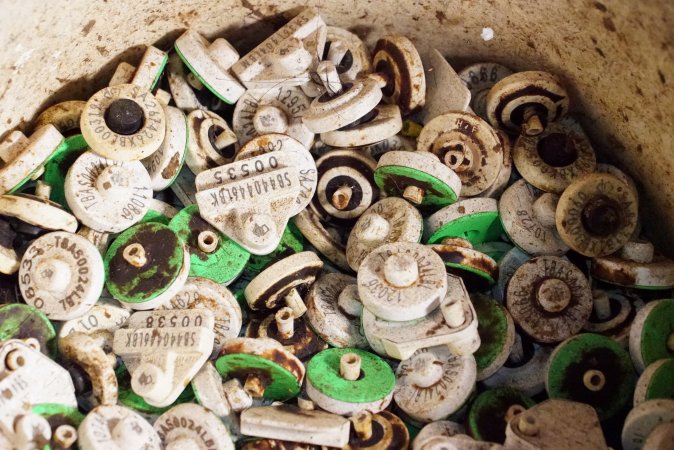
{"x": 592, "y": 50}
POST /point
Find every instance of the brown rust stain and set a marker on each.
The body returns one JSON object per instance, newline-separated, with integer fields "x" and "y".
{"x": 437, "y": 327}
{"x": 159, "y": 245}
{"x": 274, "y": 444}
{"x": 233, "y": 348}
{"x": 254, "y": 11}
{"x": 242, "y": 373}
{"x": 303, "y": 343}
{"x": 274, "y": 294}
{"x": 609, "y": 25}
{"x": 87, "y": 28}
{"x": 187, "y": 17}
{"x": 196, "y": 226}
{"x": 362, "y": 31}
{"x": 151, "y": 19}
{"x": 602, "y": 359}
{"x": 375, "y": 439}
{"x": 457, "y": 255}
{"x": 400, "y": 76}
{"x": 388, "y": 433}
{"x": 600, "y": 6}
{"x": 619, "y": 275}
{"x": 172, "y": 168}
{"x": 280, "y": 356}
{"x": 286, "y": 360}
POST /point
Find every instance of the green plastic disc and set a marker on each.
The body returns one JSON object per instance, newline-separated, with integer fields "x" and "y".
{"x": 165, "y": 253}
{"x": 20, "y": 321}
{"x": 281, "y": 383}
{"x": 377, "y": 379}
{"x": 497, "y": 333}
{"x": 487, "y": 414}
{"x": 196, "y": 74}
{"x": 391, "y": 178}
{"x": 657, "y": 332}
{"x": 661, "y": 383}
{"x": 476, "y": 228}
{"x": 568, "y": 376}
{"x": 224, "y": 264}
{"x": 58, "y": 414}
{"x": 292, "y": 242}
{"x": 56, "y": 169}
{"x": 130, "y": 399}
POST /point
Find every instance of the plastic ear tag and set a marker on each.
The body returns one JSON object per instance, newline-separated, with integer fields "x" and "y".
{"x": 163, "y": 350}
{"x": 28, "y": 376}
{"x": 252, "y": 200}
{"x": 286, "y": 56}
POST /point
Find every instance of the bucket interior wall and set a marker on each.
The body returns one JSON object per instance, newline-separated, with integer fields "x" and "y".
{"x": 617, "y": 58}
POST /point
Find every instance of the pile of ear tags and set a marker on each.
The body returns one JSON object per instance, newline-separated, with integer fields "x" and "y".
{"x": 367, "y": 249}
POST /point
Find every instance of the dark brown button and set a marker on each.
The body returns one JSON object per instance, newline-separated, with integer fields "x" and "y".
{"x": 124, "y": 116}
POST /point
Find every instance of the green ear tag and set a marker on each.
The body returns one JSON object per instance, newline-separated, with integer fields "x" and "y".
{"x": 221, "y": 264}
{"x": 56, "y": 169}
{"x": 57, "y": 414}
{"x": 497, "y": 334}
{"x": 592, "y": 369}
{"x": 477, "y": 228}
{"x": 282, "y": 384}
{"x": 376, "y": 382}
{"x": 20, "y": 321}
{"x": 165, "y": 254}
{"x": 393, "y": 180}
{"x": 657, "y": 334}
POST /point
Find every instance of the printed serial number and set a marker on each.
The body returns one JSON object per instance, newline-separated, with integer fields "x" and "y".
{"x": 247, "y": 190}
{"x": 168, "y": 338}
{"x": 72, "y": 298}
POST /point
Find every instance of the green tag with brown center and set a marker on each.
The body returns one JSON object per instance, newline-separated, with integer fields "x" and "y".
{"x": 592, "y": 369}
{"x": 20, "y": 321}
{"x": 212, "y": 254}
{"x": 164, "y": 253}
